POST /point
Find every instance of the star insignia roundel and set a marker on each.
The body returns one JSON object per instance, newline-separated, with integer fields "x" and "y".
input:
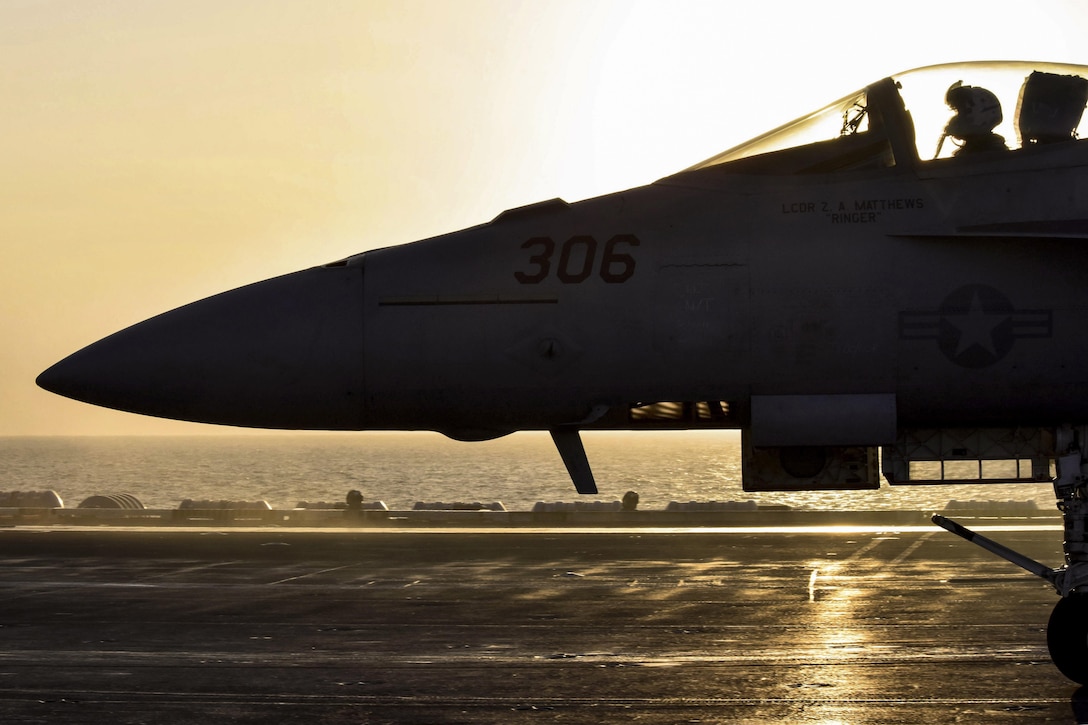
{"x": 975, "y": 326}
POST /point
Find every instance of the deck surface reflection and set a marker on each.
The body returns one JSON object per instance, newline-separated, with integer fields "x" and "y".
{"x": 882, "y": 626}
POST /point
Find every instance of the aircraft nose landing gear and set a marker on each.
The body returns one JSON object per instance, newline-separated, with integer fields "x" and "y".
{"x": 1067, "y": 630}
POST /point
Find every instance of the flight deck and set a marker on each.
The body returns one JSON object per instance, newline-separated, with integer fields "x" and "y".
{"x": 875, "y": 624}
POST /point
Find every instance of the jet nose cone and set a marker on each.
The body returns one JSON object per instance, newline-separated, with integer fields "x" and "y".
{"x": 58, "y": 378}
{"x": 284, "y": 353}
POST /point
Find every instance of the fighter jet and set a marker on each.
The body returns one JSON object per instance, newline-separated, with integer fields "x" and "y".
{"x": 892, "y": 284}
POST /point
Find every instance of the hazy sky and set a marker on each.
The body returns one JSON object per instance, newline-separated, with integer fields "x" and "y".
{"x": 157, "y": 152}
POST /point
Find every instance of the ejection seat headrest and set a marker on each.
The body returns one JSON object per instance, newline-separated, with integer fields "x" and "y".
{"x": 1050, "y": 107}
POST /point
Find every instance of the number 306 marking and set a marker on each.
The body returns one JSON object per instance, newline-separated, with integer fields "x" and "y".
{"x": 578, "y": 259}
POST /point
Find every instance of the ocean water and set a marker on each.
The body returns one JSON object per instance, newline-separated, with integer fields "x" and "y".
{"x": 403, "y": 468}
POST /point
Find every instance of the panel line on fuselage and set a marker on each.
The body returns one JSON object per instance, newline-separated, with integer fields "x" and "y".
{"x": 450, "y": 301}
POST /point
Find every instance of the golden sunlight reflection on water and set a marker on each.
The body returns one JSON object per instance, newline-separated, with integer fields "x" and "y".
{"x": 402, "y": 468}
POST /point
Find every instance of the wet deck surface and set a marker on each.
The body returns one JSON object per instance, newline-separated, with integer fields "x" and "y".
{"x": 530, "y": 626}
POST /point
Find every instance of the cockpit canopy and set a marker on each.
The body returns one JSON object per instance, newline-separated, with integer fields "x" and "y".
{"x": 924, "y": 114}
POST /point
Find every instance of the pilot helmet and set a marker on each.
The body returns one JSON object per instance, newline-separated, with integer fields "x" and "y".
{"x": 977, "y": 110}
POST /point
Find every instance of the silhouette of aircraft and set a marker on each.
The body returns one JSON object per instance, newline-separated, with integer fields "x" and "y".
{"x": 893, "y": 284}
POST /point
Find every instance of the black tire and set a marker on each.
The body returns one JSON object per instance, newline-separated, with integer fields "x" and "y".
{"x": 1067, "y": 637}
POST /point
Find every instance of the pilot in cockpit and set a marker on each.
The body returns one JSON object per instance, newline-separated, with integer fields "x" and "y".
{"x": 978, "y": 112}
